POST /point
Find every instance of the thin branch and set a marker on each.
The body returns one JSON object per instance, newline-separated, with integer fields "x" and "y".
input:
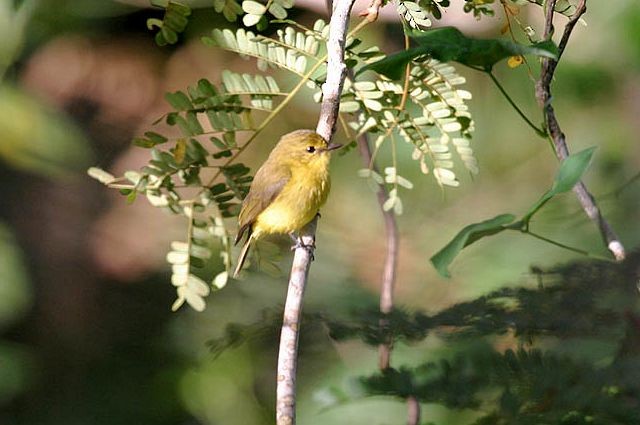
{"x": 288, "y": 352}
{"x": 392, "y": 240}
{"x": 543, "y": 94}
{"x": 615, "y": 193}
{"x": 391, "y": 258}
{"x": 535, "y": 128}
{"x": 567, "y": 247}
{"x": 407, "y": 75}
{"x": 413, "y": 407}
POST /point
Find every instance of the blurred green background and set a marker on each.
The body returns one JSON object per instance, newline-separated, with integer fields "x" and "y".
{"x": 86, "y": 332}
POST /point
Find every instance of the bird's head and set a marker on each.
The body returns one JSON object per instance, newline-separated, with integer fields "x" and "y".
{"x": 305, "y": 148}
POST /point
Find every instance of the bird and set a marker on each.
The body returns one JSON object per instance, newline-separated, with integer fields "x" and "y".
{"x": 287, "y": 190}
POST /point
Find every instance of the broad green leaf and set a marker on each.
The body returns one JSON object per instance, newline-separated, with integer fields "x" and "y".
{"x": 449, "y": 44}
{"x": 569, "y": 173}
{"x": 466, "y": 237}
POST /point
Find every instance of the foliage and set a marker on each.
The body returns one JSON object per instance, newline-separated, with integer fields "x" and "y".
{"x": 173, "y": 23}
{"x": 429, "y": 113}
{"x": 14, "y": 283}
{"x": 449, "y": 44}
{"x": 417, "y": 14}
{"x": 583, "y": 301}
{"x": 38, "y": 139}
{"x": 255, "y": 12}
{"x": 427, "y": 110}
{"x": 13, "y": 22}
{"x": 569, "y": 173}
{"x": 543, "y": 380}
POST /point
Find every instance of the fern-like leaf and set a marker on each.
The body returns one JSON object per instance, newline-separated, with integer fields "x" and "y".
{"x": 173, "y": 23}
{"x": 292, "y": 50}
{"x": 413, "y": 14}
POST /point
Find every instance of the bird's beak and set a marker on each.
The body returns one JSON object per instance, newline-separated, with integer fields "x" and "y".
{"x": 334, "y": 146}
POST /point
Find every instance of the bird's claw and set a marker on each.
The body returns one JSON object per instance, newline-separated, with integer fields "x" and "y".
{"x": 310, "y": 248}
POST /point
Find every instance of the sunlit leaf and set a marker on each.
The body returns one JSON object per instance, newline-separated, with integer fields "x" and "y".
{"x": 569, "y": 173}
{"x": 466, "y": 237}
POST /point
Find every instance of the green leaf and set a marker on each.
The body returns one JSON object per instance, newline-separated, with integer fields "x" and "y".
{"x": 175, "y": 20}
{"x": 179, "y": 101}
{"x": 569, "y": 173}
{"x": 466, "y": 237}
{"x": 218, "y": 188}
{"x": 278, "y": 11}
{"x": 155, "y": 137}
{"x": 251, "y": 19}
{"x": 449, "y": 44}
{"x": 16, "y": 292}
{"x": 253, "y": 7}
{"x": 37, "y": 138}
{"x": 100, "y": 175}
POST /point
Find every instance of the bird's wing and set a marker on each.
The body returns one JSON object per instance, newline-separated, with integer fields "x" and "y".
{"x": 267, "y": 185}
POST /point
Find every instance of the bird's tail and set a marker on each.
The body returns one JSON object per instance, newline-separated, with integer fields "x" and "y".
{"x": 243, "y": 256}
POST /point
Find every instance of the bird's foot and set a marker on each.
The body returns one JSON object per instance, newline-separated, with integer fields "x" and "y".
{"x": 310, "y": 248}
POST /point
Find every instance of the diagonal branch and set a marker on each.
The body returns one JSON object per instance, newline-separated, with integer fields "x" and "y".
{"x": 288, "y": 352}
{"x": 543, "y": 94}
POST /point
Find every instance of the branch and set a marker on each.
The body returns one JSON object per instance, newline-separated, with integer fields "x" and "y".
{"x": 391, "y": 259}
{"x": 413, "y": 407}
{"x": 391, "y": 229}
{"x": 543, "y": 94}
{"x": 288, "y": 352}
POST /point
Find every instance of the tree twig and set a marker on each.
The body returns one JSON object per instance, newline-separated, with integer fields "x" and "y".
{"x": 392, "y": 241}
{"x": 413, "y": 407}
{"x": 543, "y": 94}
{"x": 288, "y": 352}
{"x": 535, "y": 128}
{"x": 391, "y": 259}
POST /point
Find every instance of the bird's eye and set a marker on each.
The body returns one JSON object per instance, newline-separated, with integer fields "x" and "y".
{"x": 311, "y": 149}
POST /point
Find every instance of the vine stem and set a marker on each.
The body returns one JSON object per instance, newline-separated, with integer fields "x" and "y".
{"x": 331, "y": 90}
{"x": 543, "y": 95}
{"x": 567, "y": 247}
{"x": 540, "y": 132}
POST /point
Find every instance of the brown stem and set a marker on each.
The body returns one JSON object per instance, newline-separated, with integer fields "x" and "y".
{"x": 288, "y": 352}
{"x": 413, "y": 407}
{"x": 391, "y": 259}
{"x": 407, "y": 75}
{"x": 543, "y": 94}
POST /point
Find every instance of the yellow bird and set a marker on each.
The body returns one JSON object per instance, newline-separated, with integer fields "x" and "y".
{"x": 288, "y": 189}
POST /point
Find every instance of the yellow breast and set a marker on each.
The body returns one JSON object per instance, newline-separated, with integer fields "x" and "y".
{"x": 298, "y": 203}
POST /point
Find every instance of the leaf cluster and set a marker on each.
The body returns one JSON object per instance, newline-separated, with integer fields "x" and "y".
{"x": 533, "y": 387}
{"x": 255, "y": 12}
{"x": 174, "y": 22}
{"x": 582, "y": 301}
{"x": 429, "y": 111}
{"x": 569, "y": 173}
